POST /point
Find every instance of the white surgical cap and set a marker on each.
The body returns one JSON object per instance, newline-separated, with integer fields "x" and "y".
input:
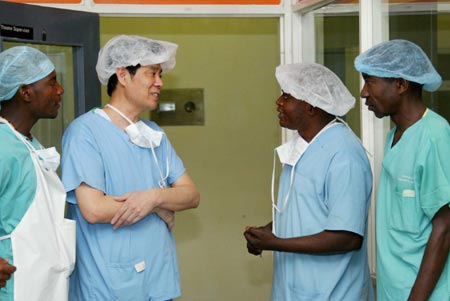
{"x": 316, "y": 85}
{"x": 399, "y": 59}
{"x": 21, "y": 65}
{"x": 130, "y": 50}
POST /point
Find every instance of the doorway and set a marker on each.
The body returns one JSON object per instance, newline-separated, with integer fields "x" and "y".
{"x": 71, "y": 41}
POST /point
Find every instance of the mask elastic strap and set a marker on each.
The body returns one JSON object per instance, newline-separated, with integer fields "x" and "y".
{"x": 273, "y": 181}
{"x": 286, "y": 199}
{"x": 120, "y": 113}
{"x": 350, "y": 129}
{"x": 167, "y": 162}
{"x": 164, "y": 179}
{"x": 274, "y": 206}
{"x": 291, "y": 181}
{"x": 5, "y": 237}
{"x": 162, "y": 182}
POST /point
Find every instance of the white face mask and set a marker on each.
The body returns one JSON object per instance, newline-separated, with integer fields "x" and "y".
{"x": 49, "y": 158}
{"x": 290, "y": 152}
{"x": 140, "y": 134}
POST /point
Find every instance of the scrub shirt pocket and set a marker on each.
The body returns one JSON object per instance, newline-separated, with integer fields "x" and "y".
{"x": 300, "y": 295}
{"x": 405, "y": 209}
{"x": 126, "y": 282}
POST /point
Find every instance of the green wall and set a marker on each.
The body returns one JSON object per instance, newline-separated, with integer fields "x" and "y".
{"x": 230, "y": 157}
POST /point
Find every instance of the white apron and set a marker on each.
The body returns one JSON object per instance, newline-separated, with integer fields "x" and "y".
{"x": 43, "y": 243}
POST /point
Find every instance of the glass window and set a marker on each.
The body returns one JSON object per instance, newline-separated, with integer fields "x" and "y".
{"x": 428, "y": 25}
{"x": 336, "y": 29}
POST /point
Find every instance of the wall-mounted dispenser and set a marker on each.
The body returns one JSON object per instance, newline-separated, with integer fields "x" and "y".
{"x": 180, "y": 107}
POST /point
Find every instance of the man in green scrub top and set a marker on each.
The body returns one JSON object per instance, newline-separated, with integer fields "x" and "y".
{"x": 413, "y": 214}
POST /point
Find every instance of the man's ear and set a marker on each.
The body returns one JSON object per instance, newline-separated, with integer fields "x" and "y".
{"x": 25, "y": 92}
{"x": 310, "y": 109}
{"x": 122, "y": 73}
{"x": 402, "y": 85}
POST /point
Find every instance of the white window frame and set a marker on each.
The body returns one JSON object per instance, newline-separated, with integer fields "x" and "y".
{"x": 373, "y": 130}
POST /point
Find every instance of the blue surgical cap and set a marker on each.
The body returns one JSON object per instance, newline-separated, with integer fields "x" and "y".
{"x": 21, "y": 65}
{"x": 399, "y": 59}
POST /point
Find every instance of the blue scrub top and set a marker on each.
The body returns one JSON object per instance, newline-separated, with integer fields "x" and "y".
{"x": 331, "y": 191}
{"x": 17, "y": 190}
{"x": 414, "y": 185}
{"x": 98, "y": 153}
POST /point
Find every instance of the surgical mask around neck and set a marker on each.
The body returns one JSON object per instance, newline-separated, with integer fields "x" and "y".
{"x": 49, "y": 158}
{"x": 142, "y": 135}
{"x": 139, "y": 133}
{"x": 290, "y": 153}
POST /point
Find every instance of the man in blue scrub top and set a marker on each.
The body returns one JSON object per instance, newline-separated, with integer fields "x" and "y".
{"x": 320, "y": 220}
{"x": 125, "y": 181}
{"x": 413, "y": 214}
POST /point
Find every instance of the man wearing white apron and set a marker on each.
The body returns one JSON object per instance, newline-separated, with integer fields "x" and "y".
{"x": 34, "y": 236}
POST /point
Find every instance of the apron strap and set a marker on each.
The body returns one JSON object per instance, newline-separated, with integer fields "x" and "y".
{"x": 20, "y": 136}
{"x": 5, "y": 237}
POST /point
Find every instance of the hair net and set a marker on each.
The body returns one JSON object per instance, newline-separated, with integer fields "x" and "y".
{"x": 130, "y": 50}
{"x": 399, "y": 59}
{"x": 317, "y": 85}
{"x": 21, "y": 65}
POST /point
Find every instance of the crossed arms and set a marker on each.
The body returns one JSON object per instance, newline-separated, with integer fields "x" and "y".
{"x": 96, "y": 207}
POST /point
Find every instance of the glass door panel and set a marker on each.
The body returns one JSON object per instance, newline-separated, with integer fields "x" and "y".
{"x": 336, "y": 29}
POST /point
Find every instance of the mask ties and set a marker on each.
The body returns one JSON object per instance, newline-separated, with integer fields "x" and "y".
{"x": 350, "y": 129}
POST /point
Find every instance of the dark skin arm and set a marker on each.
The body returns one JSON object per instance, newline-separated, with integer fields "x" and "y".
{"x": 5, "y": 271}
{"x": 250, "y": 248}
{"x": 324, "y": 242}
{"x": 434, "y": 257}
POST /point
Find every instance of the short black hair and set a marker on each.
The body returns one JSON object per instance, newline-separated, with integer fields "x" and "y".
{"x": 112, "y": 81}
{"x": 414, "y": 87}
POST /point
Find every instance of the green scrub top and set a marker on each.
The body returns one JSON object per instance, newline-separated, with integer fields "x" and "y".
{"x": 414, "y": 185}
{"x": 17, "y": 190}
